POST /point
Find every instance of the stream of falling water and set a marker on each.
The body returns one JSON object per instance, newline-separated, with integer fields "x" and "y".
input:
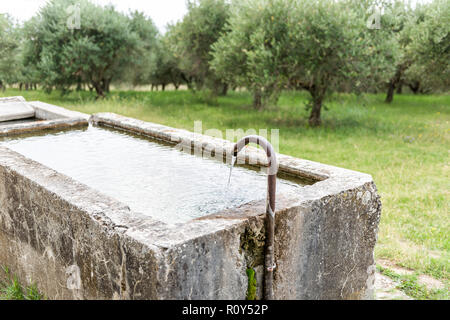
{"x": 233, "y": 162}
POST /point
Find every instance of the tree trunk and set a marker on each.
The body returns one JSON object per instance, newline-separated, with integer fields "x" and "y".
{"x": 163, "y": 87}
{"x": 105, "y": 85}
{"x": 257, "y": 100}
{"x": 400, "y": 87}
{"x": 396, "y": 81}
{"x": 314, "y": 118}
{"x": 224, "y": 90}
{"x": 318, "y": 92}
{"x": 390, "y": 93}
{"x": 99, "y": 90}
{"x": 415, "y": 86}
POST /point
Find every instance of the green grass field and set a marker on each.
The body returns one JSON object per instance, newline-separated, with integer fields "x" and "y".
{"x": 404, "y": 146}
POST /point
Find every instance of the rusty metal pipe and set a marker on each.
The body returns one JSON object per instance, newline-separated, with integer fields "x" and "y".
{"x": 270, "y": 208}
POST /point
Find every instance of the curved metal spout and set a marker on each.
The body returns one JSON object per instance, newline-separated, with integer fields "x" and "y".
{"x": 270, "y": 208}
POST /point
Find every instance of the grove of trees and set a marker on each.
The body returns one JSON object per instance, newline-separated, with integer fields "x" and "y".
{"x": 264, "y": 46}
{"x": 310, "y": 45}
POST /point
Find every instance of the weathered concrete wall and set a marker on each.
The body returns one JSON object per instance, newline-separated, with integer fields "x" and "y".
{"x": 46, "y": 239}
{"x": 56, "y": 232}
{"x": 326, "y": 247}
{"x": 53, "y": 228}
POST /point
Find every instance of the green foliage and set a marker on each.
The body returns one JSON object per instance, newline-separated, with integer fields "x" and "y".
{"x": 14, "y": 290}
{"x": 332, "y": 44}
{"x": 430, "y": 45}
{"x": 400, "y": 21}
{"x": 313, "y": 45}
{"x": 9, "y": 45}
{"x": 422, "y": 34}
{"x": 263, "y": 45}
{"x": 142, "y": 63}
{"x": 253, "y": 52}
{"x": 409, "y": 284}
{"x": 28, "y": 56}
{"x": 94, "y": 54}
{"x": 252, "y": 284}
{"x": 191, "y": 39}
{"x": 165, "y": 66}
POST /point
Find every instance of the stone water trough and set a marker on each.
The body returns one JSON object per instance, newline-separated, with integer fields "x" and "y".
{"x": 75, "y": 239}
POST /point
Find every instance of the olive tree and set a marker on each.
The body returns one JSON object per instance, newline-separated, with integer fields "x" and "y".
{"x": 28, "y": 74}
{"x": 165, "y": 67}
{"x": 254, "y": 50}
{"x": 430, "y": 45}
{"x": 313, "y": 45}
{"x": 191, "y": 40}
{"x": 9, "y": 44}
{"x": 332, "y": 42}
{"x": 423, "y": 37}
{"x": 401, "y": 21}
{"x": 94, "y": 54}
{"x": 142, "y": 61}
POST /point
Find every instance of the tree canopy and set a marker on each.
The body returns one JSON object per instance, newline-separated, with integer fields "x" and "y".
{"x": 94, "y": 54}
{"x": 142, "y": 60}
{"x": 313, "y": 45}
{"x": 9, "y": 45}
{"x": 430, "y": 44}
{"x": 191, "y": 39}
{"x": 264, "y": 46}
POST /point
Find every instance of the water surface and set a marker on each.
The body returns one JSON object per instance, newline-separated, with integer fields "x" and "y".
{"x": 152, "y": 178}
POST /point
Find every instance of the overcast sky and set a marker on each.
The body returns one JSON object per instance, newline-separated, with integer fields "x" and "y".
{"x": 161, "y": 11}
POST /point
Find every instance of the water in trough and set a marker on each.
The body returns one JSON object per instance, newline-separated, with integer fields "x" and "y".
{"x": 150, "y": 177}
